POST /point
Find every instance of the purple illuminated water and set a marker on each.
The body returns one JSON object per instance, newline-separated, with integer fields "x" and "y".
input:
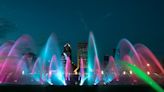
{"x": 17, "y": 67}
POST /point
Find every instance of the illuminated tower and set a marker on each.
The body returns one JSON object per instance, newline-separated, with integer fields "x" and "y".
{"x": 82, "y": 53}
{"x": 67, "y": 51}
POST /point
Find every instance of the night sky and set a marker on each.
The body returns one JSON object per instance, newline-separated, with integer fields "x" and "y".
{"x": 140, "y": 21}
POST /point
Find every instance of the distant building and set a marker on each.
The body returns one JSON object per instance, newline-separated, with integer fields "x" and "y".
{"x": 105, "y": 61}
{"x": 82, "y": 53}
{"x": 67, "y": 51}
{"x": 106, "y": 58}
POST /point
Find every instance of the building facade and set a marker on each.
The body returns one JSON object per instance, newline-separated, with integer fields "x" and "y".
{"x": 82, "y": 52}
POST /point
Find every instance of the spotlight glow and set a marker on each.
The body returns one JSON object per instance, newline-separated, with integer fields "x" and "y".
{"x": 124, "y": 72}
{"x": 102, "y": 72}
{"x": 22, "y": 72}
{"x": 148, "y": 73}
{"x": 148, "y": 65}
{"x": 131, "y": 72}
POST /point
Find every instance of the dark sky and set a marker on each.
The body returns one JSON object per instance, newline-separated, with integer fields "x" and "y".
{"x": 140, "y": 21}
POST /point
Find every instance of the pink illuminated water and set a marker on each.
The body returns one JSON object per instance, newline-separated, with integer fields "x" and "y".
{"x": 68, "y": 69}
{"x": 48, "y": 68}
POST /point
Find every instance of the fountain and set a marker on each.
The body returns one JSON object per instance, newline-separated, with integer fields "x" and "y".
{"x": 94, "y": 71}
{"x": 44, "y": 71}
{"x": 49, "y": 69}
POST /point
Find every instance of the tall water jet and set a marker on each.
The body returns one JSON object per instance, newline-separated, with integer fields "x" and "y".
{"x": 4, "y": 50}
{"x": 125, "y": 48}
{"x": 114, "y": 68}
{"x": 82, "y": 72}
{"x": 49, "y": 69}
{"x": 21, "y": 66}
{"x": 42, "y": 67}
{"x": 55, "y": 76}
{"x": 94, "y": 71}
{"x": 20, "y": 47}
{"x": 68, "y": 69}
{"x": 149, "y": 57}
{"x": 52, "y": 69}
{"x": 110, "y": 71}
{"x": 36, "y": 70}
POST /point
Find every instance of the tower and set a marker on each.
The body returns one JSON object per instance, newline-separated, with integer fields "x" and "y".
{"x": 82, "y": 53}
{"x": 67, "y": 51}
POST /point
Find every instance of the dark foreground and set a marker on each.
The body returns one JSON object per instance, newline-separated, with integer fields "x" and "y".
{"x": 48, "y": 88}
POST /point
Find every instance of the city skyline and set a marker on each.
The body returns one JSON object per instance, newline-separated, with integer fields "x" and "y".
{"x": 102, "y": 45}
{"x": 71, "y": 21}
